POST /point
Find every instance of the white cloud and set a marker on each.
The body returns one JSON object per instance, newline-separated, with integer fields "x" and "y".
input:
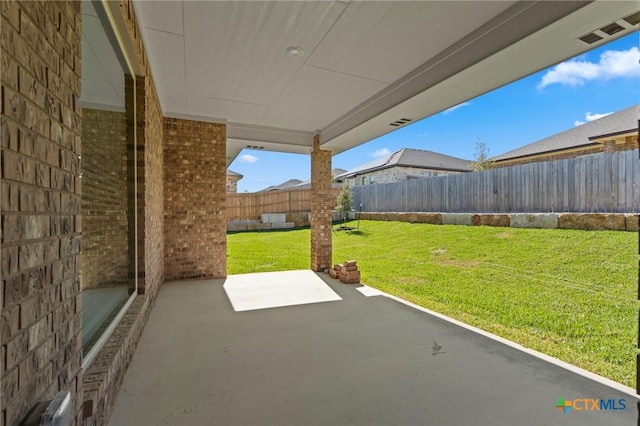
{"x": 612, "y": 64}
{"x": 381, "y": 153}
{"x": 453, "y": 108}
{"x": 246, "y": 158}
{"x": 590, "y": 117}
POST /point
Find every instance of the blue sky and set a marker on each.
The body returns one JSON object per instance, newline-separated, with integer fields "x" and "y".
{"x": 604, "y": 80}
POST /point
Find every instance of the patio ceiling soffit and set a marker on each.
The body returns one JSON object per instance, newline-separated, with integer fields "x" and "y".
{"x": 367, "y": 65}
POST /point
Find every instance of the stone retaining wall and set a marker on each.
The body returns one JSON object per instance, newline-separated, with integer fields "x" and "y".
{"x": 587, "y": 221}
{"x": 256, "y": 225}
{"x": 279, "y": 221}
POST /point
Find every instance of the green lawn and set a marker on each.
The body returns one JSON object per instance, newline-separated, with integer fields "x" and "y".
{"x": 570, "y": 294}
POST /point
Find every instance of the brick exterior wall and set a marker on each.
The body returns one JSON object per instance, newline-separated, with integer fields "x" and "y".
{"x": 104, "y": 377}
{"x": 395, "y": 174}
{"x": 105, "y": 225}
{"x": 41, "y": 320}
{"x": 625, "y": 144}
{"x": 629, "y": 142}
{"x": 195, "y": 199}
{"x": 322, "y": 203}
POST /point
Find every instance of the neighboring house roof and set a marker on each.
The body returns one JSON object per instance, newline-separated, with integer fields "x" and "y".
{"x": 408, "y": 157}
{"x": 620, "y": 121}
{"x": 307, "y": 184}
{"x": 337, "y": 171}
{"x": 334, "y": 172}
{"x": 291, "y": 183}
{"x": 234, "y": 174}
{"x": 616, "y": 134}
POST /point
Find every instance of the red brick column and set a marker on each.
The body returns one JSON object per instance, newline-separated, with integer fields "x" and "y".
{"x": 322, "y": 204}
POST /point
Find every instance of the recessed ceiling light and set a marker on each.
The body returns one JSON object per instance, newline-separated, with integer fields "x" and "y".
{"x": 295, "y": 51}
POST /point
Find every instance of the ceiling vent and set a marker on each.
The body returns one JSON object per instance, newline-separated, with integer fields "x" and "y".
{"x": 590, "y": 38}
{"x": 401, "y": 122}
{"x": 255, "y": 147}
{"x": 612, "y": 28}
{"x": 633, "y": 19}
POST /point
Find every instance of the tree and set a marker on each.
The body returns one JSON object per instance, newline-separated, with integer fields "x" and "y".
{"x": 481, "y": 157}
{"x": 345, "y": 201}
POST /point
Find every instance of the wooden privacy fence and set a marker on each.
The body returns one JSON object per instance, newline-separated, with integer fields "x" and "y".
{"x": 599, "y": 183}
{"x": 252, "y": 206}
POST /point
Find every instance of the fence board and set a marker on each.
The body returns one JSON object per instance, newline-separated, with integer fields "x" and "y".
{"x": 580, "y": 178}
{"x": 635, "y": 200}
{"x": 603, "y": 182}
{"x": 552, "y": 189}
{"x": 590, "y": 188}
{"x": 613, "y": 178}
{"x": 604, "y": 190}
{"x": 252, "y": 206}
{"x": 629, "y": 179}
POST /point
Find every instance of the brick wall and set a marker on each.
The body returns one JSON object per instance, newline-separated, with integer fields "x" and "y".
{"x": 105, "y": 242}
{"x": 232, "y": 183}
{"x": 41, "y": 126}
{"x": 630, "y": 142}
{"x": 151, "y": 217}
{"x": 150, "y": 176}
{"x": 195, "y": 199}
{"x": 323, "y": 201}
{"x": 103, "y": 379}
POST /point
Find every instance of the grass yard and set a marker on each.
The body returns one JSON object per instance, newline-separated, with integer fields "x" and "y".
{"x": 568, "y": 293}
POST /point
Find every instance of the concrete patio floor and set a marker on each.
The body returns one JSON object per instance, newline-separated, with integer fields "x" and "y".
{"x": 356, "y": 361}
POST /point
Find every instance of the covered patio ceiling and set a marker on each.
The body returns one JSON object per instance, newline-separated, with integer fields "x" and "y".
{"x": 365, "y": 68}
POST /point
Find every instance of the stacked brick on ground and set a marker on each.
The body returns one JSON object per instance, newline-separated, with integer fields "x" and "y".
{"x": 346, "y": 272}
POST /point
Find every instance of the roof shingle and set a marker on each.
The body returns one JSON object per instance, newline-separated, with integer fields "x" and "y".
{"x": 624, "y": 120}
{"x": 408, "y": 157}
